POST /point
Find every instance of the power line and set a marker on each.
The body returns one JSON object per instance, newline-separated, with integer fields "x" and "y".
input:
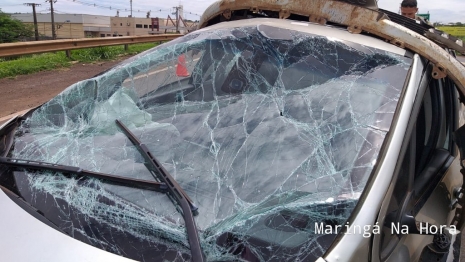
{"x": 191, "y": 13}
{"x": 121, "y": 9}
{"x": 61, "y": 12}
{"x": 11, "y": 5}
{"x": 98, "y": 6}
{"x": 29, "y": 14}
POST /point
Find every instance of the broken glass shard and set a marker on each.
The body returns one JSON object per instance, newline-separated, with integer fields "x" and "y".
{"x": 270, "y": 131}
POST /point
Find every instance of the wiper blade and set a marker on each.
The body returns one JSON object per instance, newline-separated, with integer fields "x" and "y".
{"x": 176, "y": 192}
{"x": 118, "y": 180}
{"x": 155, "y": 164}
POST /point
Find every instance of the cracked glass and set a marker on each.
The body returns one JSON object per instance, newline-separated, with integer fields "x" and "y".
{"x": 268, "y": 130}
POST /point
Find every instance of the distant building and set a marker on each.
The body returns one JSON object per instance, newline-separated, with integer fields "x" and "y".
{"x": 124, "y": 26}
{"x": 80, "y": 25}
{"x": 69, "y": 25}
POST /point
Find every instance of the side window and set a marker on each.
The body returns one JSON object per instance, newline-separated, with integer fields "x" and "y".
{"x": 433, "y": 138}
{"x": 452, "y": 117}
{"x": 432, "y": 130}
{"x": 429, "y": 151}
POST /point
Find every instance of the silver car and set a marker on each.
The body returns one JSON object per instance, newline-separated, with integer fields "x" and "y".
{"x": 259, "y": 137}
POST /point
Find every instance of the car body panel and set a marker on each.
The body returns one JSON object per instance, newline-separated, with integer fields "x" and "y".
{"x": 54, "y": 124}
{"x": 25, "y": 238}
{"x": 372, "y": 205}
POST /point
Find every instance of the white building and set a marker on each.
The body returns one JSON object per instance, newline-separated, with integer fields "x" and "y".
{"x": 69, "y": 25}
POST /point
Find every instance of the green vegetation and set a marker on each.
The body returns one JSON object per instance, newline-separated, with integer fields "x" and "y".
{"x": 49, "y": 61}
{"x": 12, "y": 30}
{"x": 35, "y": 63}
{"x": 107, "y": 52}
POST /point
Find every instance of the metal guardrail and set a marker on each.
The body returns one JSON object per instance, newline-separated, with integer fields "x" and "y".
{"x": 35, "y": 47}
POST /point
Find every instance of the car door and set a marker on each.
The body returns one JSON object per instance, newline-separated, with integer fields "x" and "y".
{"x": 423, "y": 193}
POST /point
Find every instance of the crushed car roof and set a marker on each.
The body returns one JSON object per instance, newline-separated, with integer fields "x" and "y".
{"x": 358, "y": 19}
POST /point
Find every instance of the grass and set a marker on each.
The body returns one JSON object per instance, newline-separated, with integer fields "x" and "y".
{"x": 48, "y": 61}
{"x": 107, "y": 52}
{"x": 456, "y": 52}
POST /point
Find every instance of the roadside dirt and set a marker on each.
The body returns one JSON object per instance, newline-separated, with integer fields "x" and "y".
{"x": 26, "y": 91}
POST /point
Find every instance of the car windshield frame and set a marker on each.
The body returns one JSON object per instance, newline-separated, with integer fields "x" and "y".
{"x": 225, "y": 58}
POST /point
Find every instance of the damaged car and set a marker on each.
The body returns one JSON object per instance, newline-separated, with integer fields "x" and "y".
{"x": 278, "y": 131}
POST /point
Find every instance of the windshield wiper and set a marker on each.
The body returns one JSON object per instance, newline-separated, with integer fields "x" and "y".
{"x": 79, "y": 172}
{"x": 176, "y": 192}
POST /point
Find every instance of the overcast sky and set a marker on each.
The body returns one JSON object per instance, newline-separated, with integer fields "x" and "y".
{"x": 440, "y": 10}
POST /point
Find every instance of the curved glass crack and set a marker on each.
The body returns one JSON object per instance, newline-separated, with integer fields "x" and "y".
{"x": 270, "y": 131}
{"x": 176, "y": 192}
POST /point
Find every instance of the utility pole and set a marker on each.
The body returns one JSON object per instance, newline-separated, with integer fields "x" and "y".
{"x": 177, "y": 18}
{"x": 131, "y": 8}
{"x": 36, "y": 29}
{"x": 54, "y": 34}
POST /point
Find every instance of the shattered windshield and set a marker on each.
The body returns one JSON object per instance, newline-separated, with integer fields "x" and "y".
{"x": 267, "y": 130}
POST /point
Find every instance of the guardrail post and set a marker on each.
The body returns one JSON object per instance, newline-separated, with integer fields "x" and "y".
{"x": 126, "y": 47}
{"x": 68, "y": 53}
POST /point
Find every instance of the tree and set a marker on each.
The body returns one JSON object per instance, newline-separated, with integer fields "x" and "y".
{"x": 12, "y": 30}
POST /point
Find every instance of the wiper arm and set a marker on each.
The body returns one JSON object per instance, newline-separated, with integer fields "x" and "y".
{"x": 118, "y": 180}
{"x": 176, "y": 192}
